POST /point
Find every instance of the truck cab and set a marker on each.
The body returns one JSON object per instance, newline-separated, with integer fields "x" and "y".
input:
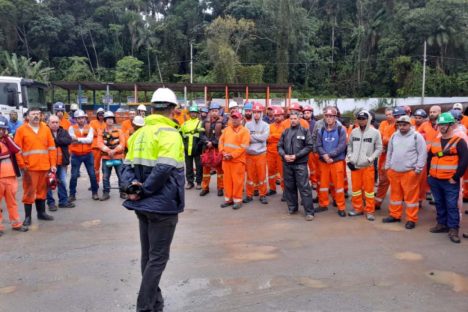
{"x": 19, "y": 94}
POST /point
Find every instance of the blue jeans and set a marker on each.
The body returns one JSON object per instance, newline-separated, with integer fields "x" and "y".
{"x": 88, "y": 161}
{"x": 106, "y": 173}
{"x": 446, "y": 202}
{"x": 61, "y": 188}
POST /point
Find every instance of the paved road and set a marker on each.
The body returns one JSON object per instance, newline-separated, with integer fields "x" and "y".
{"x": 255, "y": 259}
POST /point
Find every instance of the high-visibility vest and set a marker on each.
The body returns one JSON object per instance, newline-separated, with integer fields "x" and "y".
{"x": 444, "y": 162}
{"x": 80, "y": 149}
{"x": 191, "y": 129}
{"x": 111, "y": 140}
{"x": 6, "y": 166}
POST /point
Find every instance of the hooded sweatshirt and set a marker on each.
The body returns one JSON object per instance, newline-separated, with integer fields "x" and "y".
{"x": 259, "y": 132}
{"x": 364, "y": 146}
{"x": 406, "y": 152}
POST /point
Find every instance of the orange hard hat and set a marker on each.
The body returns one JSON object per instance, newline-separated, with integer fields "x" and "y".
{"x": 307, "y": 108}
{"x": 295, "y": 106}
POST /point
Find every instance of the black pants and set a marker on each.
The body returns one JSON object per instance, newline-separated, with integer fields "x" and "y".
{"x": 296, "y": 177}
{"x": 156, "y": 233}
{"x": 189, "y": 168}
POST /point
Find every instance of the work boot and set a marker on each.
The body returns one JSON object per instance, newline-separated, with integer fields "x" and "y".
{"x": 237, "y": 206}
{"x": 189, "y": 186}
{"x": 72, "y": 198}
{"x": 67, "y": 205}
{"x": 354, "y": 213}
{"x": 439, "y": 228}
{"x": 263, "y": 200}
{"x": 453, "y": 235}
{"x": 309, "y": 217}
{"x": 342, "y": 213}
{"x": 410, "y": 225}
{"x": 320, "y": 209}
{"x": 52, "y": 207}
{"x": 105, "y": 196}
{"x": 256, "y": 193}
{"x": 204, "y": 192}
{"x": 27, "y": 214}
{"x": 95, "y": 196}
{"x": 40, "y": 208}
{"x": 226, "y": 204}
{"x": 390, "y": 219}
{"x": 198, "y": 186}
{"x": 247, "y": 199}
{"x": 465, "y": 200}
{"x": 21, "y": 228}
{"x": 292, "y": 211}
{"x": 220, "y": 193}
{"x": 271, "y": 192}
{"x": 370, "y": 217}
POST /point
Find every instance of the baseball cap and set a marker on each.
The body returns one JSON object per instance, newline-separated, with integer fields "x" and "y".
{"x": 404, "y": 118}
{"x": 362, "y": 115}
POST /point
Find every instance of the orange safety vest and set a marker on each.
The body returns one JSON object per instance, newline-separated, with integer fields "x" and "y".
{"x": 80, "y": 149}
{"x": 6, "y": 166}
{"x": 112, "y": 140}
{"x": 444, "y": 163}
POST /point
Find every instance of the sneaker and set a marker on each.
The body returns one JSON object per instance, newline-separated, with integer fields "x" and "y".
{"x": 390, "y": 219}
{"x": 189, "y": 186}
{"x": 72, "y": 198}
{"x": 220, "y": 193}
{"x": 198, "y": 186}
{"x": 309, "y": 217}
{"x": 271, "y": 192}
{"x": 354, "y": 213}
{"x": 105, "y": 196}
{"x": 94, "y": 197}
{"x": 320, "y": 209}
{"x": 21, "y": 228}
{"x": 370, "y": 217}
{"x": 226, "y": 204}
{"x": 263, "y": 200}
{"x": 204, "y": 192}
{"x": 67, "y": 205}
{"x": 237, "y": 206}
{"x": 52, "y": 207}
{"x": 439, "y": 228}
{"x": 342, "y": 213}
{"x": 247, "y": 199}
{"x": 410, "y": 225}
{"x": 453, "y": 235}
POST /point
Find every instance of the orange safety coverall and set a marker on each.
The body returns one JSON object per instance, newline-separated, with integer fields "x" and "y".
{"x": 97, "y": 127}
{"x": 332, "y": 174}
{"x": 429, "y": 133}
{"x": 273, "y": 159}
{"x": 234, "y": 141}
{"x": 65, "y": 123}
{"x": 386, "y": 131}
{"x": 127, "y": 127}
{"x": 363, "y": 179}
{"x": 405, "y": 186}
{"x": 38, "y": 154}
{"x": 8, "y": 188}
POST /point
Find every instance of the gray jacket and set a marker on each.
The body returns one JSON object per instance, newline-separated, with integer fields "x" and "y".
{"x": 259, "y": 132}
{"x": 406, "y": 152}
{"x": 364, "y": 146}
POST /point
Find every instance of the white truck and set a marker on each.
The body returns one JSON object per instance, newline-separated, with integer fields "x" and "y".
{"x": 20, "y": 93}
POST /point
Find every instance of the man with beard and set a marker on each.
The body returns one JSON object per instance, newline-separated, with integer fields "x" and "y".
{"x": 247, "y": 112}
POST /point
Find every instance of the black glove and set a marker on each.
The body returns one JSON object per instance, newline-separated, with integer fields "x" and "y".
{"x": 351, "y": 166}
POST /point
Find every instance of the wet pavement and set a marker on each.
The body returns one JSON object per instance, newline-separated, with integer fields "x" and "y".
{"x": 255, "y": 259}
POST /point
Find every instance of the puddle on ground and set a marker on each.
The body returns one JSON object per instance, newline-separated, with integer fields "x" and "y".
{"x": 408, "y": 256}
{"x": 459, "y": 283}
{"x": 393, "y": 227}
{"x": 249, "y": 252}
{"x": 91, "y": 223}
{"x": 7, "y": 289}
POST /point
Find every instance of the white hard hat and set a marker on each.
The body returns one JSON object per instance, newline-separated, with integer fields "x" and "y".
{"x": 109, "y": 114}
{"x": 458, "y": 106}
{"x": 232, "y": 104}
{"x": 100, "y": 110}
{"x": 79, "y": 113}
{"x": 164, "y": 95}
{"x": 141, "y": 107}
{"x": 74, "y": 107}
{"x": 139, "y": 121}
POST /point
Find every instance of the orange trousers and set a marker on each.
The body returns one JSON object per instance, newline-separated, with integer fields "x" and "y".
{"x": 207, "y": 177}
{"x": 404, "y": 186}
{"x": 97, "y": 163}
{"x": 465, "y": 185}
{"x": 363, "y": 179}
{"x": 332, "y": 173}
{"x": 234, "y": 175}
{"x": 384, "y": 183}
{"x": 34, "y": 186}
{"x": 256, "y": 174}
{"x": 8, "y": 189}
{"x": 275, "y": 166}
{"x": 315, "y": 173}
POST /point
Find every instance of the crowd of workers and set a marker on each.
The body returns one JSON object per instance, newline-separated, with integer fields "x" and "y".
{"x": 253, "y": 151}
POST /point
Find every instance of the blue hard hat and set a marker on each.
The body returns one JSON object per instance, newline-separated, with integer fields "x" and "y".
{"x": 457, "y": 114}
{"x": 3, "y": 122}
{"x": 248, "y": 106}
{"x": 204, "y": 110}
{"x": 421, "y": 113}
{"x": 59, "y": 106}
{"x": 398, "y": 111}
{"x": 215, "y": 106}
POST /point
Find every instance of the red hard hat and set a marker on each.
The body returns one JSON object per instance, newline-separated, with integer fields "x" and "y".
{"x": 308, "y": 108}
{"x": 52, "y": 181}
{"x": 278, "y": 110}
{"x": 295, "y": 106}
{"x": 257, "y": 107}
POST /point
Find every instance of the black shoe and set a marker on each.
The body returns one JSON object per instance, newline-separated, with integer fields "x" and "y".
{"x": 21, "y": 228}
{"x": 292, "y": 211}
{"x": 283, "y": 199}
{"x": 439, "y": 228}
{"x": 67, "y": 205}
{"x": 95, "y": 196}
{"x": 27, "y": 214}
{"x": 410, "y": 225}
{"x": 263, "y": 200}
{"x": 189, "y": 186}
{"x": 256, "y": 193}
{"x": 390, "y": 219}
{"x": 71, "y": 198}
{"x": 315, "y": 200}
{"x": 465, "y": 200}
{"x": 204, "y": 192}
{"x": 334, "y": 203}
{"x": 342, "y": 213}
{"x": 346, "y": 195}
{"x": 226, "y": 204}
{"x": 278, "y": 182}
{"x": 52, "y": 207}
{"x": 271, "y": 192}
{"x": 320, "y": 209}
{"x": 237, "y": 206}
{"x": 377, "y": 207}
{"x": 247, "y": 199}
{"x": 465, "y": 235}
{"x": 220, "y": 193}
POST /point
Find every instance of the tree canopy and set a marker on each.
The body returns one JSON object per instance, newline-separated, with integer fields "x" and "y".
{"x": 353, "y": 48}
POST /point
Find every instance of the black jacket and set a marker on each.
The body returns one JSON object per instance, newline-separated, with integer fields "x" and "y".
{"x": 63, "y": 140}
{"x": 295, "y": 141}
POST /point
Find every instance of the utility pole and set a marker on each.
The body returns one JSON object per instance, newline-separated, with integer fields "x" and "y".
{"x": 424, "y": 73}
{"x": 191, "y": 62}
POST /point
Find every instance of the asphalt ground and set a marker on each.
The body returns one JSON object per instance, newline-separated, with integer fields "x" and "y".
{"x": 257, "y": 258}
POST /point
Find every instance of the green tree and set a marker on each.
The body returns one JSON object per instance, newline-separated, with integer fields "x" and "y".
{"x": 12, "y": 65}
{"x": 128, "y": 69}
